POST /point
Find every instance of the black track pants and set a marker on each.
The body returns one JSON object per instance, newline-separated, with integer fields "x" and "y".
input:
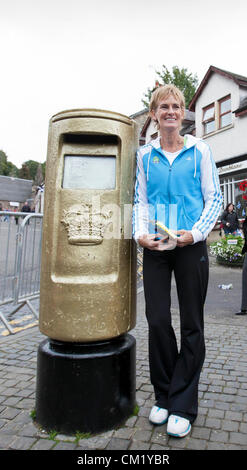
{"x": 175, "y": 374}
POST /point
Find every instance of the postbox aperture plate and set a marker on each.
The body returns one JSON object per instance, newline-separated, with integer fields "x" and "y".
{"x": 89, "y": 172}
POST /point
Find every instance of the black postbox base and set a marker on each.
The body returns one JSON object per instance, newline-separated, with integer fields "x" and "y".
{"x": 87, "y": 387}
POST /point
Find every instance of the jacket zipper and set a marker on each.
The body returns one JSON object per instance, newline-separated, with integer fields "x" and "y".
{"x": 169, "y": 179}
{"x": 169, "y": 194}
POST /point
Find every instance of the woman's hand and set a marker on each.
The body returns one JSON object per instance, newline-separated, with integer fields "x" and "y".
{"x": 148, "y": 241}
{"x": 186, "y": 238}
{"x": 164, "y": 243}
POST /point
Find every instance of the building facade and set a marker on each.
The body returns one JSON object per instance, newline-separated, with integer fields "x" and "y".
{"x": 220, "y": 106}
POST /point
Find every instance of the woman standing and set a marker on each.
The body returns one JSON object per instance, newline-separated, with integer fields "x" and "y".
{"x": 177, "y": 184}
{"x": 230, "y": 219}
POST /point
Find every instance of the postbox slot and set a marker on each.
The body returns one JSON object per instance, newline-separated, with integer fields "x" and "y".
{"x": 90, "y": 139}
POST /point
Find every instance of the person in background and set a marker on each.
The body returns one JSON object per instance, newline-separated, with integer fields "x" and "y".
{"x": 16, "y": 218}
{"x": 177, "y": 184}
{"x": 243, "y": 310}
{"x": 230, "y": 219}
{"x": 26, "y": 207}
{"x": 6, "y": 217}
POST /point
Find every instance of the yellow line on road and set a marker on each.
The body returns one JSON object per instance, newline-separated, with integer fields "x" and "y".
{"x": 19, "y": 328}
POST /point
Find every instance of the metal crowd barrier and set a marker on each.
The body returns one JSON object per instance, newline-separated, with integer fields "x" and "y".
{"x": 20, "y": 257}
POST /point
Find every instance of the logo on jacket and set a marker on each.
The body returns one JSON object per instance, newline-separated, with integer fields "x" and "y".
{"x": 156, "y": 159}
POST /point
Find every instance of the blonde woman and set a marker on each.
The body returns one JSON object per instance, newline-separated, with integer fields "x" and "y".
{"x": 177, "y": 186}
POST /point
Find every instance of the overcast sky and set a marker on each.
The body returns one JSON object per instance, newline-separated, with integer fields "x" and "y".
{"x": 64, "y": 54}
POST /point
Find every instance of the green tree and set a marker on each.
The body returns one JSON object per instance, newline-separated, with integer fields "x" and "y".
{"x": 30, "y": 169}
{"x": 7, "y": 168}
{"x": 12, "y": 170}
{"x": 3, "y": 163}
{"x": 24, "y": 172}
{"x": 39, "y": 175}
{"x": 43, "y": 166}
{"x": 181, "y": 78}
{"x": 32, "y": 166}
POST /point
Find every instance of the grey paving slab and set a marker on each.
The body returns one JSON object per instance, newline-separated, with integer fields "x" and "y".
{"x": 222, "y": 419}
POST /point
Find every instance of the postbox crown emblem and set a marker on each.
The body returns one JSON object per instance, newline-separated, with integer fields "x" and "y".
{"x": 85, "y": 226}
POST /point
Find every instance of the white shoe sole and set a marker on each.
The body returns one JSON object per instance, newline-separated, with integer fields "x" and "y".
{"x": 182, "y": 434}
{"x": 158, "y": 424}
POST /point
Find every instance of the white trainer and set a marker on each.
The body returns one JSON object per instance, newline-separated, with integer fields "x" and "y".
{"x": 178, "y": 426}
{"x": 158, "y": 415}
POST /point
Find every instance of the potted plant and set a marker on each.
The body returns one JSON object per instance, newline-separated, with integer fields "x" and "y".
{"x": 228, "y": 250}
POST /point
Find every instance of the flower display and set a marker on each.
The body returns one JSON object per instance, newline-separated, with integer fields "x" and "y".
{"x": 242, "y": 185}
{"x": 227, "y": 253}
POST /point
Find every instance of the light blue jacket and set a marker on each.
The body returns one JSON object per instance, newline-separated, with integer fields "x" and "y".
{"x": 184, "y": 195}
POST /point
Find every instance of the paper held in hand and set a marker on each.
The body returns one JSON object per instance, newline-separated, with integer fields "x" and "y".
{"x": 163, "y": 230}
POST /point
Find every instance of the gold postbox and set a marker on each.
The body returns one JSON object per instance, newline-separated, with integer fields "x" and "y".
{"x": 88, "y": 272}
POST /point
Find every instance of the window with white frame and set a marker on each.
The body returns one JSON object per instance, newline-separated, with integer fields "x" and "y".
{"x": 225, "y": 114}
{"x": 217, "y": 115}
{"x": 209, "y": 118}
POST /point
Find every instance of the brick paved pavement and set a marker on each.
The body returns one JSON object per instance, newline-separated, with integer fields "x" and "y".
{"x": 222, "y": 419}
